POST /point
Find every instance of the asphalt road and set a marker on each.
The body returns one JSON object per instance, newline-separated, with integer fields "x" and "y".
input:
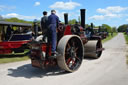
{"x": 110, "y": 69}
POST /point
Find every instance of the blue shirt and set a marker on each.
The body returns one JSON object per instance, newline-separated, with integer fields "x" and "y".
{"x": 53, "y": 19}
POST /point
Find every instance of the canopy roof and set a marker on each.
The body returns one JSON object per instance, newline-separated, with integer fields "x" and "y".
{"x": 15, "y": 24}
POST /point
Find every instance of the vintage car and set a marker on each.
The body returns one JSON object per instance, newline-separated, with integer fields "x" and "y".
{"x": 13, "y": 42}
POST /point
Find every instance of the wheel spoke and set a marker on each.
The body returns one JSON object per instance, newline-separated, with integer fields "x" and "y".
{"x": 73, "y": 44}
{"x": 73, "y": 63}
{"x": 76, "y": 49}
{"x": 69, "y": 45}
{"x": 78, "y": 58}
{"x": 68, "y": 49}
{"x": 67, "y": 53}
{"x": 68, "y": 61}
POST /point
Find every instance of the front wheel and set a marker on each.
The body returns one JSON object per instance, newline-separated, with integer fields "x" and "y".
{"x": 93, "y": 49}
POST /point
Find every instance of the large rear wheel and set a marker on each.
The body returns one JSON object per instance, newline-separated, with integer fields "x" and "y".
{"x": 71, "y": 49}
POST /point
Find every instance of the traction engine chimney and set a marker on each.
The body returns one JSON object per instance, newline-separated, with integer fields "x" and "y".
{"x": 82, "y": 12}
{"x": 66, "y": 18}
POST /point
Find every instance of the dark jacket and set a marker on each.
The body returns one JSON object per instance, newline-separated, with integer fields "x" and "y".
{"x": 44, "y": 22}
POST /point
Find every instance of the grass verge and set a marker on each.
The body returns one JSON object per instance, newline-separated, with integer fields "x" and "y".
{"x": 109, "y": 37}
{"x": 13, "y": 59}
{"x": 127, "y": 59}
{"x": 126, "y": 38}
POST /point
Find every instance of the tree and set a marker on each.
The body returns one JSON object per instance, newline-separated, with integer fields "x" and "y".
{"x": 106, "y": 27}
{"x": 122, "y": 28}
{"x": 17, "y": 20}
{"x": 73, "y": 21}
{"x": 114, "y": 29}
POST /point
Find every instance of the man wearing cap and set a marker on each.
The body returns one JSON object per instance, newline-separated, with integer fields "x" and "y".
{"x": 53, "y": 21}
{"x": 44, "y": 24}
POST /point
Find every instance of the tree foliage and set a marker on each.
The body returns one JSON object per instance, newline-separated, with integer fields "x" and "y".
{"x": 122, "y": 28}
{"x": 73, "y": 21}
{"x": 114, "y": 29}
{"x": 13, "y": 20}
{"x": 17, "y": 20}
{"x": 106, "y": 27}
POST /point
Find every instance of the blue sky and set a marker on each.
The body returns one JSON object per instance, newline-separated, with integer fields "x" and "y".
{"x": 111, "y": 12}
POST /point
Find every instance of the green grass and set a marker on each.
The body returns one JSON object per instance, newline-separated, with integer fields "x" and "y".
{"x": 126, "y": 38}
{"x": 13, "y": 59}
{"x": 109, "y": 37}
{"x": 127, "y": 59}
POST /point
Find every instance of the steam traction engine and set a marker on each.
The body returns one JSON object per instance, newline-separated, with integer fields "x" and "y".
{"x": 72, "y": 45}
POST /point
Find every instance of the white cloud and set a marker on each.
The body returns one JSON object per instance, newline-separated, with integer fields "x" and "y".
{"x": 64, "y": 5}
{"x": 113, "y": 15}
{"x": 37, "y": 4}
{"x": 19, "y": 16}
{"x": 106, "y": 16}
{"x": 117, "y": 9}
{"x": 6, "y": 8}
{"x": 112, "y": 9}
{"x": 97, "y": 17}
{"x": 102, "y": 11}
{"x": 109, "y": 13}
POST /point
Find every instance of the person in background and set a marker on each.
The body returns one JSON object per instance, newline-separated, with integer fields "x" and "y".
{"x": 9, "y": 32}
{"x": 44, "y": 25}
{"x": 53, "y": 21}
{"x": 35, "y": 28}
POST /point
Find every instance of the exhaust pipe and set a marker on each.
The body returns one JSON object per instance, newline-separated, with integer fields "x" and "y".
{"x": 99, "y": 29}
{"x": 66, "y": 18}
{"x": 82, "y": 11}
{"x": 92, "y": 25}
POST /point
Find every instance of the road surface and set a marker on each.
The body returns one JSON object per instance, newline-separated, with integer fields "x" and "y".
{"x": 110, "y": 69}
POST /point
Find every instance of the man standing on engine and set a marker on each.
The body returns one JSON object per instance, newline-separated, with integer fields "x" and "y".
{"x": 53, "y": 21}
{"x": 44, "y": 24}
